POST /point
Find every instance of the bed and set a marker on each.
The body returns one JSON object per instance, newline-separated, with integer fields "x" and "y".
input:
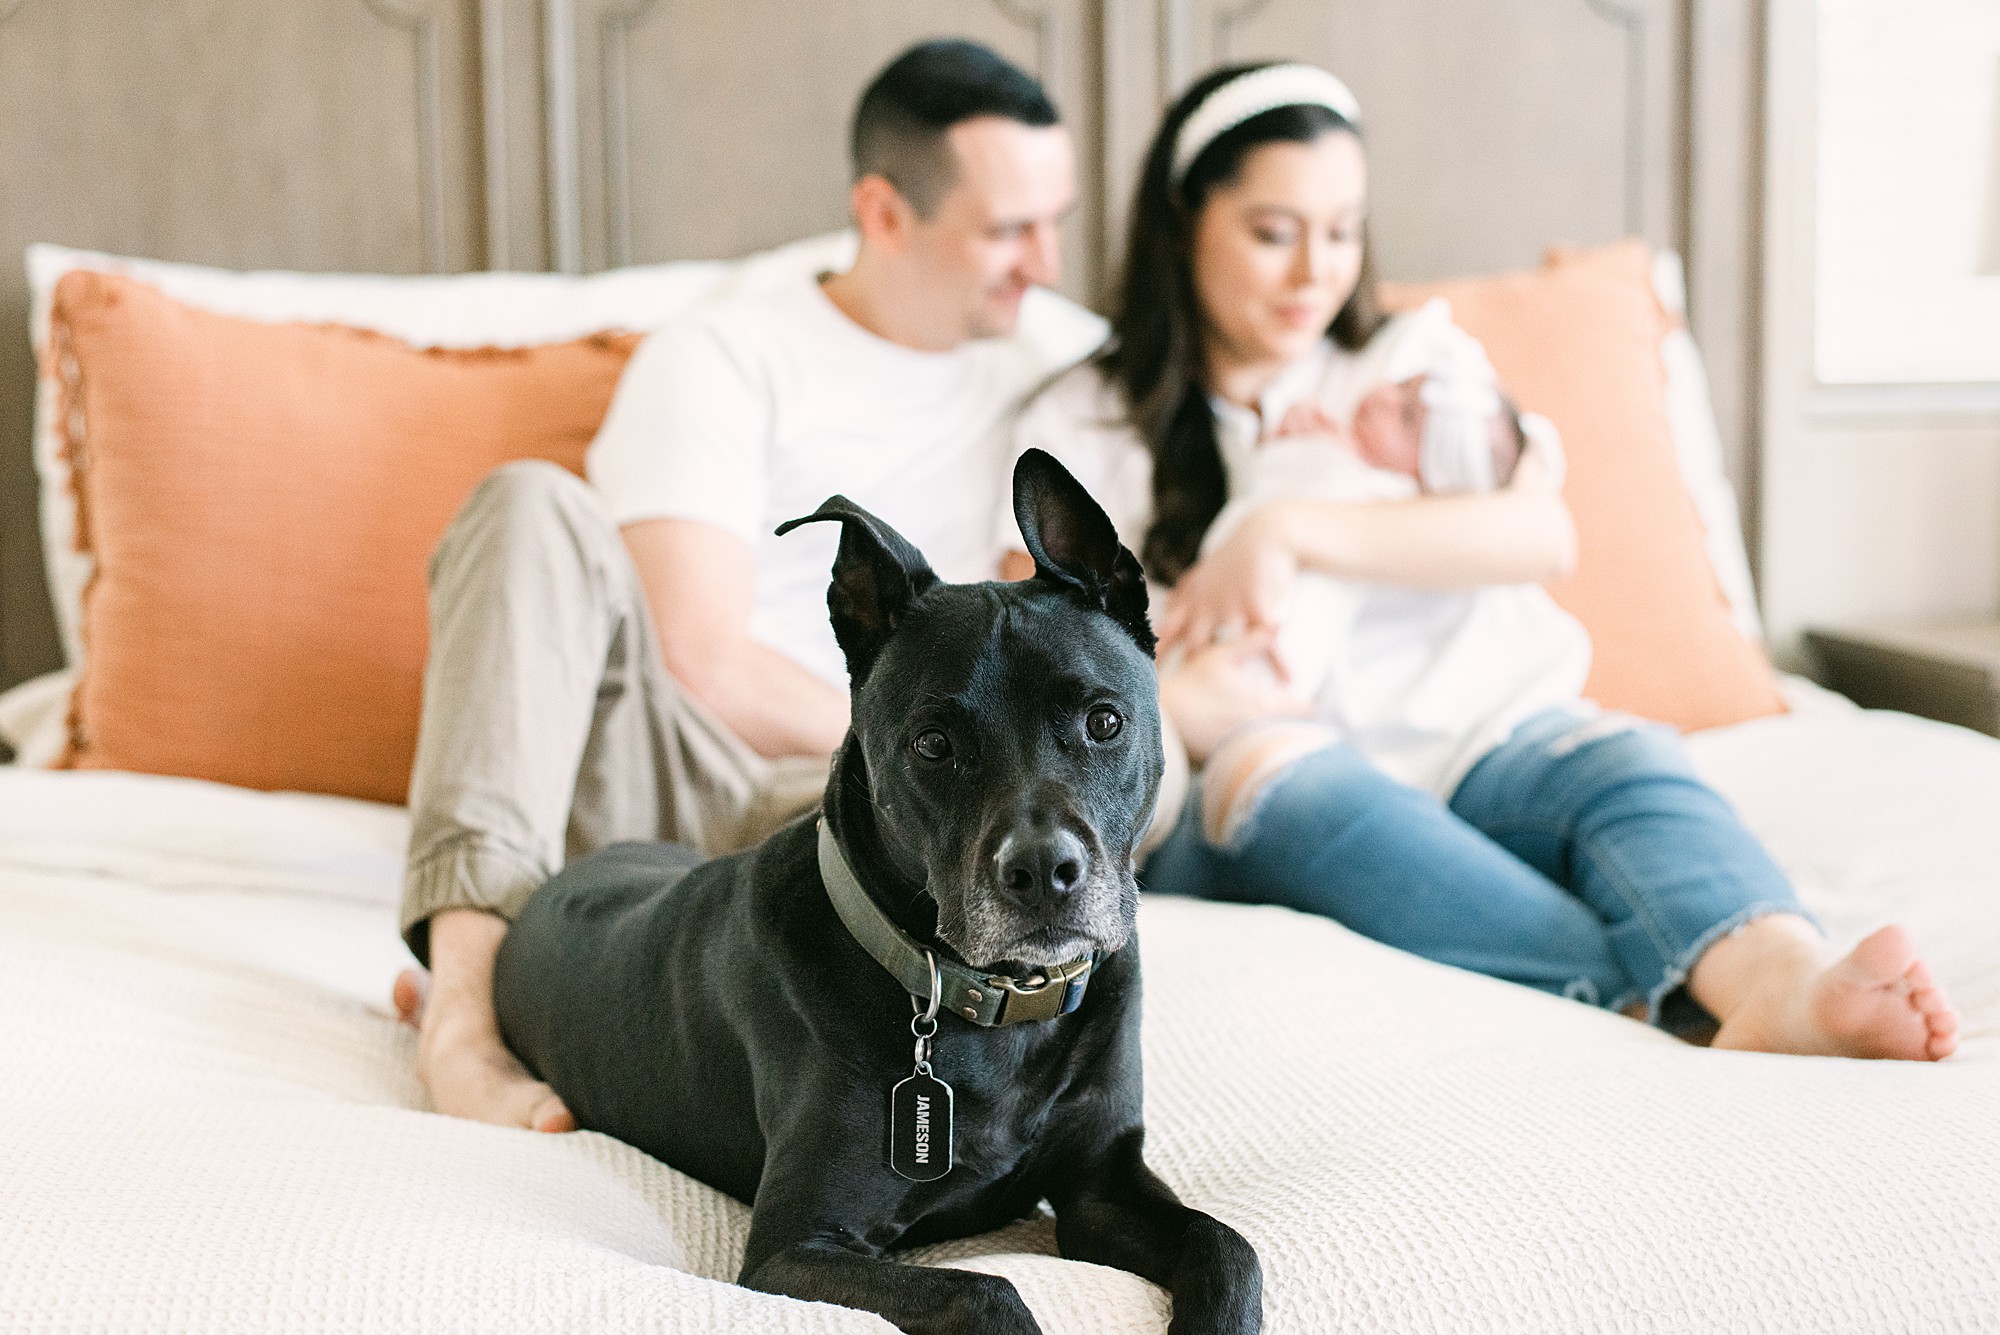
{"x": 212, "y": 1121}
{"x": 213, "y": 1124}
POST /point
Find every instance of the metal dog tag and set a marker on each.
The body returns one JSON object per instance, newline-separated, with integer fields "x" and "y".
{"x": 920, "y": 1107}
{"x": 920, "y": 1128}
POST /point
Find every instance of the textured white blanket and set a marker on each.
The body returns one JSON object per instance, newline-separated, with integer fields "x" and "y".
{"x": 204, "y": 1126}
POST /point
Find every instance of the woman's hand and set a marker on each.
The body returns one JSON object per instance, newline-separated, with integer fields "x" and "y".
{"x": 1214, "y": 689}
{"x": 1307, "y": 418}
{"x": 1239, "y": 589}
{"x": 1539, "y": 470}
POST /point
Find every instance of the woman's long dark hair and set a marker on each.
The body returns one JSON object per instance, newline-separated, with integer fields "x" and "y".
{"x": 1155, "y": 354}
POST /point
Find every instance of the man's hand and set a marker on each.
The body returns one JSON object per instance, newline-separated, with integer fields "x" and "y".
{"x": 460, "y": 1056}
{"x": 1215, "y": 689}
{"x": 1238, "y": 589}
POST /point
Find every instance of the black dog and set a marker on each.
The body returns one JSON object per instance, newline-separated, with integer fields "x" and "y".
{"x": 746, "y": 1020}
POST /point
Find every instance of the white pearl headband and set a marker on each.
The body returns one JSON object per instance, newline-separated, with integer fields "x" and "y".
{"x": 1253, "y": 94}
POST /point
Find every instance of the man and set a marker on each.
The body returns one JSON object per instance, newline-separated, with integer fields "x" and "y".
{"x": 684, "y": 684}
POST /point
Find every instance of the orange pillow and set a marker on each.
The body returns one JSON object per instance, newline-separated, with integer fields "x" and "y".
{"x": 1578, "y": 340}
{"x": 260, "y": 501}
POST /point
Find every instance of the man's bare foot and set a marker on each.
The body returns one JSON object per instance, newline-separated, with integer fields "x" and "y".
{"x": 460, "y": 1055}
{"x": 1877, "y": 1001}
{"x": 407, "y": 995}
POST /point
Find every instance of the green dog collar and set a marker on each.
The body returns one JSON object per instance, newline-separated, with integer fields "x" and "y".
{"x": 983, "y": 998}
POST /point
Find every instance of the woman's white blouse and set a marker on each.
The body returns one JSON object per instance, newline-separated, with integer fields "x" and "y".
{"x": 1424, "y": 682}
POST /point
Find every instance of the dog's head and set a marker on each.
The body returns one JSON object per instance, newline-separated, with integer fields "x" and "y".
{"x": 1009, "y": 733}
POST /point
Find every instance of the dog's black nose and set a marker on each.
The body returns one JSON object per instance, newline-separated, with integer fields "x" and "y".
{"x": 1050, "y": 863}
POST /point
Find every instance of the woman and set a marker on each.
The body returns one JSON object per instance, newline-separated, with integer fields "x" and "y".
{"x": 1529, "y": 835}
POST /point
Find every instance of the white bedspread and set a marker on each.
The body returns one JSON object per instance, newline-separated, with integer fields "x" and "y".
{"x": 208, "y": 1124}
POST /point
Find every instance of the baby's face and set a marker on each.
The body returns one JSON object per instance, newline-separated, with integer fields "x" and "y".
{"x": 1389, "y": 426}
{"x": 1389, "y": 431}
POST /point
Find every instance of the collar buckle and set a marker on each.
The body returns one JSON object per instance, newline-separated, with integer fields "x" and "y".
{"x": 1042, "y": 996}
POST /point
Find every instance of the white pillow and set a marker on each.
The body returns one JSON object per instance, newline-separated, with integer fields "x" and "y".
{"x": 32, "y": 717}
{"x": 443, "y": 311}
{"x": 1698, "y": 446}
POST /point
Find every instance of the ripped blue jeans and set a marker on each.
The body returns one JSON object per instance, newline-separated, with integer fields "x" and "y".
{"x": 1582, "y": 856}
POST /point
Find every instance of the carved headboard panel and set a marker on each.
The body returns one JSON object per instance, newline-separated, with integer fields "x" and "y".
{"x": 409, "y": 135}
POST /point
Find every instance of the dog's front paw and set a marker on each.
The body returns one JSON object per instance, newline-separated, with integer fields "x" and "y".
{"x": 1223, "y": 1293}
{"x": 992, "y": 1306}
{"x": 916, "y": 1299}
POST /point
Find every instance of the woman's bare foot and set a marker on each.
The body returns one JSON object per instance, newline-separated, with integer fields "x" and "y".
{"x": 1781, "y": 991}
{"x": 460, "y": 1055}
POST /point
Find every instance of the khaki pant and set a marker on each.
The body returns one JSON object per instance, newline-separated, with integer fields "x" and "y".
{"x": 550, "y": 725}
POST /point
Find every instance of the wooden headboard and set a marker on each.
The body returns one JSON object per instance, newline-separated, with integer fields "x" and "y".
{"x": 410, "y": 135}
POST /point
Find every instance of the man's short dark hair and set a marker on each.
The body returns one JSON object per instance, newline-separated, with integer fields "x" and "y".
{"x": 900, "y": 126}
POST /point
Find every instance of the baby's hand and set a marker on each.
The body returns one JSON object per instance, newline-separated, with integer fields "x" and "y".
{"x": 1310, "y": 419}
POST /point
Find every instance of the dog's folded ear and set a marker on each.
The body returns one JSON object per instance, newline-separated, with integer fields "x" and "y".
{"x": 877, "y": 574}
{"x": 1075, "y": 545}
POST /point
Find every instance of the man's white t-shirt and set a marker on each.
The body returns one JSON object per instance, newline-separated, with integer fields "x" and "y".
{"x": 757, "y": 409}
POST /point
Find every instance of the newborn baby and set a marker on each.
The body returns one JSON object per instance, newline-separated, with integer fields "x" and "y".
{"x": 1434, "y": 412}
{"x": 1442, "y": 435}
{"x": 1433, "y": 422}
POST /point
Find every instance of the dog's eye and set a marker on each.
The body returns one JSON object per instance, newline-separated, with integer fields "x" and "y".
{"x": 1103, "y": 723}
{"x": 932, "y": 745}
